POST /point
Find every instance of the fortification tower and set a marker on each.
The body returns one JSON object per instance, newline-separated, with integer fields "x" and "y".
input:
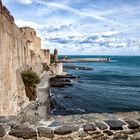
{"x": 55, "y": 54}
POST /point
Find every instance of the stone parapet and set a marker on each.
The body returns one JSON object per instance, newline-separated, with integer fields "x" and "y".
{"x": 5, "y": 12}
{"x": 28, "y": 33}
{"x": 45, "y": 56}
{"x": 75, "y": 127}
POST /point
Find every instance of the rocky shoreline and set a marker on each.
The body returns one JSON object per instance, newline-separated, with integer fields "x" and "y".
{"x": 62, "y": 80}
{"x": 58, "y": 82}
{"x": 77, "y": 67}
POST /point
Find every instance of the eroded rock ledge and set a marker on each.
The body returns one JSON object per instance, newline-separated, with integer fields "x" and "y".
{"x": 118, "y": 126}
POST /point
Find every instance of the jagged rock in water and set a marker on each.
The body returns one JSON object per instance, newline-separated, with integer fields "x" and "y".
{"x": 77, "y": 67}
{"x": 60, "y": 84}
{"x": 67, "y": 76}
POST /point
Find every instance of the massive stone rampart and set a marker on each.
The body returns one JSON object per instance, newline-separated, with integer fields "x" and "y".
{"x": 18, "y": 48}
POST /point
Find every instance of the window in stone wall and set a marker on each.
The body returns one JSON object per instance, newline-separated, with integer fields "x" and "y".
{"x": 31, "y": 33}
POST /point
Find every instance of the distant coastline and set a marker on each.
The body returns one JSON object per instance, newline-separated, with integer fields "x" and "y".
{"x": 67, "y": 59}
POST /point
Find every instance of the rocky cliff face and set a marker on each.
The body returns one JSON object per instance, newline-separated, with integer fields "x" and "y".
{"x": 16, "y": 52}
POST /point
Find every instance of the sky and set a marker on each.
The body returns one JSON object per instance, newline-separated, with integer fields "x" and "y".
{"x": 82, "y": 27}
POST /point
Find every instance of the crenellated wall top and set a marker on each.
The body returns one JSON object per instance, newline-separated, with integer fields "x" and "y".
{"x": 5, "y": 12}
{"x": 0, "y": 6}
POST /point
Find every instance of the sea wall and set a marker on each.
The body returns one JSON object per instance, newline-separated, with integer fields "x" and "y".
{"x": 19, "y": 49}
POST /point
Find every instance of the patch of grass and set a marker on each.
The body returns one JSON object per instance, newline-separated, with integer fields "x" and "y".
{"x": 30, "y": 78}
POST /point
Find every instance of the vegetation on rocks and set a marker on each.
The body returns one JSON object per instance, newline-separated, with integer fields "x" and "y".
{"x": 30, "y": 78}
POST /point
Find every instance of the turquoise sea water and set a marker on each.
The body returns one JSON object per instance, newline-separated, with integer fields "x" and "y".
{"x": 111, "y": 87}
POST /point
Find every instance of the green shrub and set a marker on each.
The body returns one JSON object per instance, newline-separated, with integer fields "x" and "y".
{"x": 30, "y": 78}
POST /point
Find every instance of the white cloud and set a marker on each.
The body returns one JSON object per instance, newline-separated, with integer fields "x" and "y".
{"x": 73, "y": 10}
{"x": 26, "y": 1}
{"x": 23, "y": 23}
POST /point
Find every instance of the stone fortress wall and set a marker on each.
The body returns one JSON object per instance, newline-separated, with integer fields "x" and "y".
{"x": 19, "y": 48}
{"x": 34, "y": 52}
{"x": 12, "y": 46}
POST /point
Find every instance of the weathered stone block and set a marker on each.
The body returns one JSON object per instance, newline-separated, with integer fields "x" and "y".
{"x": 5, "y": 12}
{"x": 136, "y": 137}
{"x": 82, "y": 134}
{"x": 101, "y": 126}
{"x": 132, "y": 124}
{"x": 2, "y": 131}
{"x": 65, "y": 130}
{"x": 108, "y": 132}
{"x": 131, "y": 131}
{"x": 11, "y": 18}
{"x": 115, "y": 124}
{"x": 45, "y": 132}
{"x": 89, "y": 127}
{"x": 97, "y": 136}
{"x": 23, "y": 131}
{"x": 64, "y": 138}
{"x": 120, "y": 137}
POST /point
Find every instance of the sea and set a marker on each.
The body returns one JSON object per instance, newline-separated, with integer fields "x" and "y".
{"x": 111, "y": 87}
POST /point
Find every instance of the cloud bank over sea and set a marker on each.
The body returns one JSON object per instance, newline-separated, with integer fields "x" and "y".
{"x": 82, "y": 26}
